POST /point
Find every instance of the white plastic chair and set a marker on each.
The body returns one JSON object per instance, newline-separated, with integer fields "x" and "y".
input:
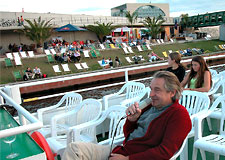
{"x": 88, "y": 111}
{"x": 139, "y": 48}
{"x": 66, "y": 67}
{"x": 129, "y": 60}
{"x": 84, "y": 65}
{"x": 9, "y": 55}
{"x": 130, "y": 92}
{"x": 31, "y": 54}
{"x": 130, "y": 50}
{"x": 67, "y": 103}
{"x": 23, "y": 54}
{"x": 125, "y": 50}
{"x": 214, "y": 143}
{"x": 86, "y": 54}
{"x": 197, "y": 104}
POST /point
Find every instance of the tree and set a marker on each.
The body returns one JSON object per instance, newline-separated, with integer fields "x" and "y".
{"x": 131, "y": 17}
{"x": 37, "y": 31}
{"x": 184, "y": 22}
{"x": 154, "y": 25}
{"x": 101, "y": 30}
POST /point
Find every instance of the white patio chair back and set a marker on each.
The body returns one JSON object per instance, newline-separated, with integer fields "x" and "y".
{"x": 86, "y": 54}
{"x": 9, "y": 55}
{"x": 148, "y": 46}
{"x": 130, "y": 49}
{"x": 125, "y": 50}
{"x": 139, "y": 48}
{"x": 53, "y": 51}
{"x": 66, "y": 67}
{"x": 66, "y": 104}
{"x": 132, "y": 92}
{"x": 56, "y": 69}
{"x": 18, "y": 61}
{"x": 128, "y": 60}
{"x": 214, "y": 142}
{"x": 23, "y": 54}
{"x": 84, "y": 65}
{"x": 84, "y": 114}
{"x": 78, "y": 66}
{"x": 47, "y": 52}
{"x": 102, "y": 46}
{"x": 31, "y": 54}
{"x": 16, "y": 55}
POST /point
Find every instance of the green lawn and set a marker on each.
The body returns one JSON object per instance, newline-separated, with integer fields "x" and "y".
{"x": 42, "y": 63}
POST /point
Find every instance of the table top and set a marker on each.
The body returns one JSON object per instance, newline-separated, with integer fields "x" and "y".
{"x": 24, "y": 144}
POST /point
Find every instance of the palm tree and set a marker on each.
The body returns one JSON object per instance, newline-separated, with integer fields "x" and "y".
{"x": 131, "y": 18}
{"x": 184, "y": 22}
{"x": 37, "y": 31}
{"x": 154, "y": 25}
{"x": 101, "y": 30}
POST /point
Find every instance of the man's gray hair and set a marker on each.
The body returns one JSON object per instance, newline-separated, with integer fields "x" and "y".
{"x": 171, "y": 83}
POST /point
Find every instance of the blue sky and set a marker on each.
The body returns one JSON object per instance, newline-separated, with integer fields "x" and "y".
{"x": 102, "y": 7}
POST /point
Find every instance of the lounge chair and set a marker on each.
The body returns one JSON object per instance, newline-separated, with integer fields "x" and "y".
{"x": 23, "y": 54}
{"x": 107, "y": 46}
{"x": 47, "y": 52}
{"x": 16, "y": 55}
{"x": 18, "y": 61}
{"x": 63, "y": 50}
{"x": 78, "y": 66}
{"x": 148, "y": 46}
{"x": 125, "y": 50}
{"x": 102, "y": 46}
{"x": 31, "y": 54}
{"x": 8, "y": 62}
{"x": 66, "y": 67}
{"x": 158, "y": 41}
{"x": 93, "y": 54}
{"x": 53, "y": 51}
{"x": 162, "y": 41}
{"x": 171, "y": 40}
{"x": 17, "y": 75}
{"x": 9, "y": 55}
{"x": 112, "y": 46}
{"x": 129, "y": 60}
{"x": 130, "y": 50}
{"x": 86, "y": 54}
{"x": 97, "y": 53}
{"x": 165, "y": 54}
{"x": 84, "y": 65}
{"x": 50, "y": 59}
{"x": 56, "y": 69}
{"x": 139, "y": 48}
{"x": 144, "y": 47}
{"x": 124, "y": 44}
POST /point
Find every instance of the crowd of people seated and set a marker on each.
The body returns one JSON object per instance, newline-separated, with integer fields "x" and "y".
{"x": 29, "y": 74}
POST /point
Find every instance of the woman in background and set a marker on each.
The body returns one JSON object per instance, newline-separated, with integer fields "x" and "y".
{"x": 199, "y": 78}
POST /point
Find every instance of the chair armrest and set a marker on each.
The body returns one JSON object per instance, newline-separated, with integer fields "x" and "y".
{"x": 106, "y": 99}
{"x": 198, "y": 126}
{"x": 42, "y": 110}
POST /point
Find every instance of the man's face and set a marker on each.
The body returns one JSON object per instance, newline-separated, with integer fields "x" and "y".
{"x": 160, "y": 97}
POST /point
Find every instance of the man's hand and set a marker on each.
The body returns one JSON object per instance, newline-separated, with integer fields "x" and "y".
{"x": 133, "y": 112}
{"x": 118, "y": 157}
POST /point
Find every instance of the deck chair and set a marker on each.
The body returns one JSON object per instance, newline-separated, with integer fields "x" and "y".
{"x": 56, "y": 69}
{"x": 66, "y": 104}
{"x": 112, "y": 45}
{"x": 63, "y": 50}
{"x": 86, "y": 54}
{"x": 88, "y": 111}
{"x": 16, "y": 55}
{"x": 23, "y": 54}
{"x": 130, "y": 92}
{"x": 47, "y": 52}
{"x": 84, "y": 65}
{"x": 162, "y": 41}
{"x": 139, "y": 48}
{"x": 17, "y": 75}
{"x": 30, "y": 53}
{"x": 50, "y": 58}
{"x": 148, "y": 46}
{"x": 221, "y": 47}
{"x": 8, "y": 62}
{"x": 171, "y": 40}
{"x": 213, "y": 143}
{"x": 107, "y": 46}
{"x": 165, "y": 54}
{"x": 130, "y": 50}
{"x": 158, "y": 41}
{"x": 170, "y": 51}
{"x": 141, "y": 57}
{"x": 66, "y": 68}
{"x": 53, "y": 51}
{"x": 144, "y": 47}
{"x": 93, "y": 54}
{"x": 216, "y": 47}
{"x": 125, "y": 50}
{"x": 125, "y": 45}
{"x": 102, "y": 46}
{"x": 9, "y": 55}
{"x": 93, "y": 47}
{"x": 129, "y": 60}
{"x": 119, "y": 45}
{"x": 97, "y": 53}
{"x": 78, "y": 66}
{"x": 18, "y": 61}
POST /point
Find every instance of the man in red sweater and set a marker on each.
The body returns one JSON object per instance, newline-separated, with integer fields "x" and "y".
{"x": 154, "y": 133}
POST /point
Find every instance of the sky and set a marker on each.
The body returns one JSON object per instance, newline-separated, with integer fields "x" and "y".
{"x": 103, "y": 7}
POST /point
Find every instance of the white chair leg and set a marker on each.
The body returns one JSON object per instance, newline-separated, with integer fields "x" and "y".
{"x": 184, "y": 153}
{"x": 209, "y": 123}
{"x": 202, "y": 154}
{"x": 194, "y": 154}
{"x": 216, "y": 156}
